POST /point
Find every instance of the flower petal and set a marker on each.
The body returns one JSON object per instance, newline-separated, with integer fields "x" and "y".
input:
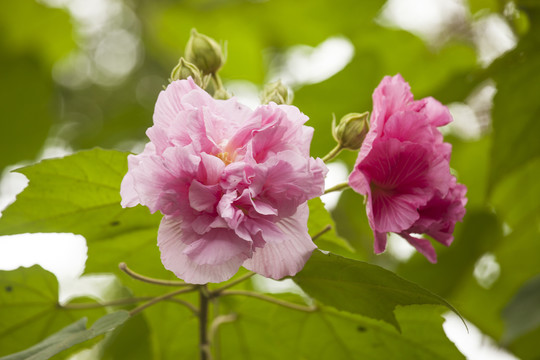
{"x": 285, "y": 258}
{"x": 172, "y": 244}
{"x": 423, "y": 246}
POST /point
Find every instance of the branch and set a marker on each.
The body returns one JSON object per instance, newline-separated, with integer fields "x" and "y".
{"x": 270, "y": 299}
{"x": 149, "y": 280}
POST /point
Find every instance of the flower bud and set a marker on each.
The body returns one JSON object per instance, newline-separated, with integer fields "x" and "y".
{"x": 204, "y": 52}
{"x": 185, "y": 69}
{"x": 351, "y": 130}
{"x": 276, "y": 92}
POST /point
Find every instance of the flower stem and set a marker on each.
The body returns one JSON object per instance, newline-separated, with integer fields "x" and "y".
{"x": 326, "y": 229}
{"x": 338, "y": 187}
{"x": 204, "y": 345}
{"x": 155, "y": 300}
{"x": 83, "y": 306}
{"x": 333, "y": 153}
{"x": 216, "y": 292}
{"x": 149, "y": 280}
{"x": 218, "y": 84}
{"x": 270, "y": 299}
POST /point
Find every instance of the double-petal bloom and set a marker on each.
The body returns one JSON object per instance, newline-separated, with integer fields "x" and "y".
{"x": 403, "y": 169}
{"x": 231, "y": 182}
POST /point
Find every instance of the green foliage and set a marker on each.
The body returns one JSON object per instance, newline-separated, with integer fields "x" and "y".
{"x": 522, "y": 314}
{"x": 516, "y": 109}
{"x": 80, "y": 193}
{"x": 319, "y": 221}
{"x": 30, "y": 311}
{"x": 69, "y": 336}
{"x": 267, "y": 331}
{"x": 352, "y": 285}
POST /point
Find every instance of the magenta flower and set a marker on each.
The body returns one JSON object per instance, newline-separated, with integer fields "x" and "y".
{"x": 232, "y": 184}
{"x": 403, "y": 168}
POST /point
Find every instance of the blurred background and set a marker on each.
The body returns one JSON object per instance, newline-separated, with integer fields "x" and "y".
{"x": 76, "y": 74}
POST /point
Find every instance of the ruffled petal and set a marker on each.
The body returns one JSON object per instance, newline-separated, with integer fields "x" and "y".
{"x": 172, "y": 245}
{"x": 285, "y": 258}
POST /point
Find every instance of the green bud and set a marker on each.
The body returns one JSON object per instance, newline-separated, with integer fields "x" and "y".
{"x": 204, "y": 52}
{"x": 276, "y": 92}
{"x": 351, "y": 130}
{"x": 185, "y": 69}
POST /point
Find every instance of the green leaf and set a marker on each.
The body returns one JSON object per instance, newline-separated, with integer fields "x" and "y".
{"x": 360, "y": 288}
{"x": 319, "y": 220}
{"x": 522, "y": 314}
{"x": 71, "y": 335}
{"x": 267, "y": 331}
{"x": 81, "y": 194}
{"x": 29, "y": 308}
{"x": 131, "y": 340}
{"x": 515, "y": 106}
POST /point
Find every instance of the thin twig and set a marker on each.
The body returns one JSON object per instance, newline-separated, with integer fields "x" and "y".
{"x": 204, "y": 345}
{"x": 150, "y": 280}
{"x": 326, "y": 229}
{"x": 218, "y": 321}
{"x": 231, "y": 284}
{"x": 333, "y": 153}
{"x": 160, "y": 298}
{"x": 186, "y": 304}
{"x": 127, "y": 301}
{"x": 270, "y": 299}
{"x": 338, "y": 187}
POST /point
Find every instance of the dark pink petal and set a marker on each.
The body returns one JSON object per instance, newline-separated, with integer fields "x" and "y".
{"x": 423, "y": 246}
{"x": 392, "y": 95}
{"x": 380, "y": 242}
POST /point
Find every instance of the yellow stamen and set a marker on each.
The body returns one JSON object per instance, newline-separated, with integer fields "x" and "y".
{"x": 224, "y": 156}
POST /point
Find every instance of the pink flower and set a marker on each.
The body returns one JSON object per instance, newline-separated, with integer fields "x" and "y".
{"x": 232, "y": 184}
{"x": 403, "y": 168}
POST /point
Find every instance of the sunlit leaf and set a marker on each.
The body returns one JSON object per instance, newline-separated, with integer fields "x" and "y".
{"x": 81, "y": 194}
{"x": 320, "y": 220}
{"x": 29, "y": 308}
{"x": 267, "y": 331}
{"x": 360, "y": 288}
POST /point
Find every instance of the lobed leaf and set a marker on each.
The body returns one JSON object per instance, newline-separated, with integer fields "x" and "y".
{"x": 361, "y": 288}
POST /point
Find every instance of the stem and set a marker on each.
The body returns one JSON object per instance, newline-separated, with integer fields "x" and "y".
{"x": 326, "y": 229}
{"x": 149, "y": 280}
{"x": 83, "y": 306}
{"x": 218, "y": 321}
{"x": 159, "y": 299}
{"x": 231, "y": 284}
{"x": 333, "y": 153}
{"x": 217, "y": 81}
{"x": 338, "y": 187}
{"x": 270, "y": 299}
{"x": 204, "y": 345}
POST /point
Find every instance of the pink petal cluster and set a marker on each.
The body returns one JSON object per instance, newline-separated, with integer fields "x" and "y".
{"x": 403, "y": 168}
{"x": 231, "y": 182}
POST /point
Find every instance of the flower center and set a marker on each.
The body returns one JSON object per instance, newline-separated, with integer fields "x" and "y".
{"x": 224, "y": 156}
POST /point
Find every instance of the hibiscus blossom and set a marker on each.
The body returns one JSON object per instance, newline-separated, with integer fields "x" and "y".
{"x": 403, "y": 168}
{"x": 232, "y": 185}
